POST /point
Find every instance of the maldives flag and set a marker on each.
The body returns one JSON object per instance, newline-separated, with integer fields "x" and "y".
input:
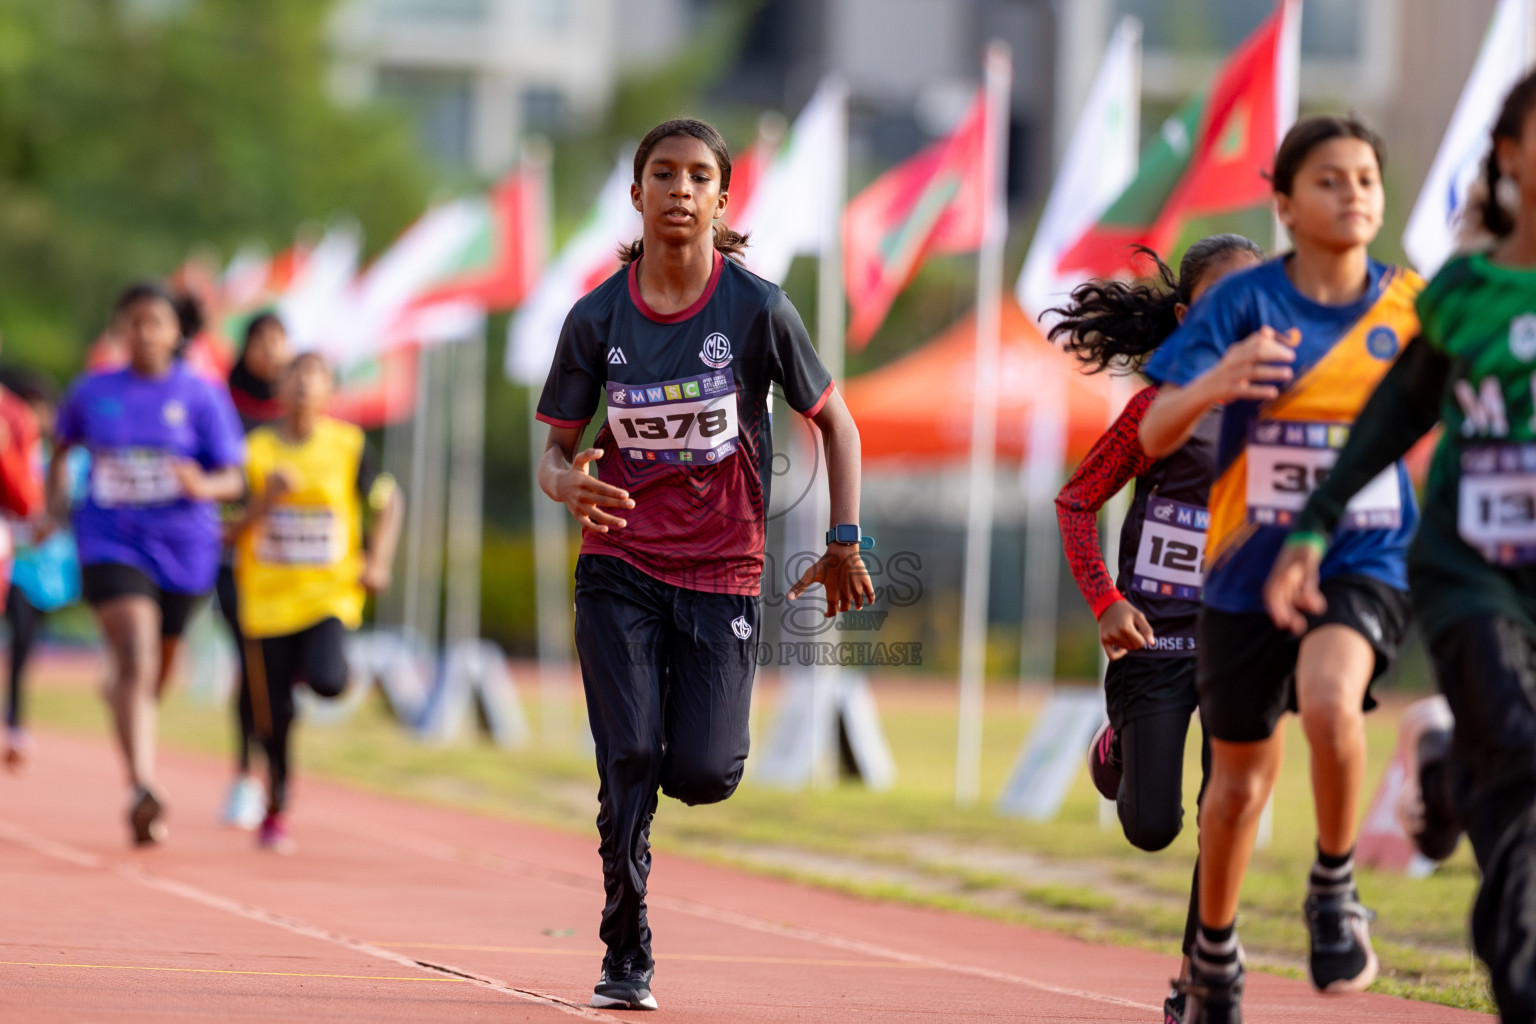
{"x": 932, "y": 203}
{"x": 1211, "y": 157}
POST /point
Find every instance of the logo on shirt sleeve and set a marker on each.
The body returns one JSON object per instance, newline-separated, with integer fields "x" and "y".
{"x": 716, "y": 352}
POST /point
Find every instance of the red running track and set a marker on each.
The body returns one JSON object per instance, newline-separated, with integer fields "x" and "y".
{"x": 394, "y": 911}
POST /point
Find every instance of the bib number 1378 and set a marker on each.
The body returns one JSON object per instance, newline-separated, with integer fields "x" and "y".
{"x": 710, "y": 423}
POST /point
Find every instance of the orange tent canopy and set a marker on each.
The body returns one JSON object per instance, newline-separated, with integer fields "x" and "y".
{"x": 919, "y": 407}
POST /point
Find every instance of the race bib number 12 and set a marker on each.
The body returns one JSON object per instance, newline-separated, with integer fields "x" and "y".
{"x": 1288, "y": 460}
{"x": 1170, "y": 561}
{"x": 691, "y": 421}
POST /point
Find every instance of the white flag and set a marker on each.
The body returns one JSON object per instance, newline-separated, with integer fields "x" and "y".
{"x": 313, "y": 304}
{"x": 375, "y": 318}
{"x": 1430, "y": 237}
{"x": 796, "y": 208}
{"x": 1100, "y": 162}
{"x": 587, "y": 259}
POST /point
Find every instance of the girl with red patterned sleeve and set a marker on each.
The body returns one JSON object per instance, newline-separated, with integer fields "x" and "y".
{"x": 1147, "y": 613}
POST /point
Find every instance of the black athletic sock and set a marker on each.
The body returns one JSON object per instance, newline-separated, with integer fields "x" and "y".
{"x": 1216, "y": 951}
{"x": 1332, "y": 874}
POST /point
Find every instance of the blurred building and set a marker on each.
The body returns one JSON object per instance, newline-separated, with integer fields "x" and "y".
{"x": 477, "y": 74}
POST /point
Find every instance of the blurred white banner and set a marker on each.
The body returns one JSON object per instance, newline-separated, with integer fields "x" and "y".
{"x": 1506, "y": 54}
{"x": 1100, "y": 162}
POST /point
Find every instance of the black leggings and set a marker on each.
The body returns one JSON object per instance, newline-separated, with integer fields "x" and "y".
{"x": 668, "y": 678}
{"x": 1486, "y": 667}
{"x": 1150, "y": 703}
{"x": 315, "y": 656}
{"x": 1151, "y": 801}
{"x": 229, "y": 607}
{"x": 25, "y": 620}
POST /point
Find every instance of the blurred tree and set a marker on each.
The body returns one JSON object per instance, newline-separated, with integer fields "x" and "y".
{"x": 131, "y": 130}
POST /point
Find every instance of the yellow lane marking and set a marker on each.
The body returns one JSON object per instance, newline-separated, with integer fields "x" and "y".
{"x": 212, "y": 970}
{"x": 704, "y": 957}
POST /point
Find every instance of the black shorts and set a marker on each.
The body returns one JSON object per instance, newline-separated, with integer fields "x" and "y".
{"x": 1247, "y": 665}
{"x": 1135, "y": 687}
{"x": 103, "y": 582}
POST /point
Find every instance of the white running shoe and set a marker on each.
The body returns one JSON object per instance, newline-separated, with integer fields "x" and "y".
{"x": 247, "y": 804}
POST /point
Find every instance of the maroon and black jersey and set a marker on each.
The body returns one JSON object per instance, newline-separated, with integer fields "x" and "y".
{"x": 686, "y": 431}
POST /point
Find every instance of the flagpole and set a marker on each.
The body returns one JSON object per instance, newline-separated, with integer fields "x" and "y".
{"x": 978, "y": 540}
{"x": 830, "y": 343}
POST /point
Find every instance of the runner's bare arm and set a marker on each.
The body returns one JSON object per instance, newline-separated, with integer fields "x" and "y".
{"x": 55, "y": 491}
{"x": 840, "y": 570}
{"x": 1252, "y": 369}
{"x": 227, "y": 483}
{"x": 1404, "y": 407}
{"x": 379, "y": 549}
{"x": 563, "y": 475}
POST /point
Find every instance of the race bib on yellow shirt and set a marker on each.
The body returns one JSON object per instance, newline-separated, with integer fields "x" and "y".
{"x": 1496, "y": 510}
{"x": 299, "y": 535}
{"x": 692, "y": 421}
{"x": 129, "y": 477}
{"x": 1288, "y": 460}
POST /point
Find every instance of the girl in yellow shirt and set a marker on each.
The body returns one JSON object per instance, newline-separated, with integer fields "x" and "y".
{"x": 303, "y": 566}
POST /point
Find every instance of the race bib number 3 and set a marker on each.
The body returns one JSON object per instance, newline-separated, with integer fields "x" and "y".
{"x": 133, "y": 477}
{"x": 1496, "y": 510}
{"x": 1170, "y": 561}
{"x": 299, "y": 535}
{"x": 1287, "y": 461}
{"x": 691, "y": 421}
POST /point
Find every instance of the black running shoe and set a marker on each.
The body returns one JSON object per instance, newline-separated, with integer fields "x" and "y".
{"x": 144, "y": 819}
{"x": 1173, "y": 1006}
{"x": 1427, "y": 807}
{"x": 1104, "y": 764}
{"x": 1209, "y": 999}
{"x": 624, "y": 987}
{"x": 1341, "y": 958}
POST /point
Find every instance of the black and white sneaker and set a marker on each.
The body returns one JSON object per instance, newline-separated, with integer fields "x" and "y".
{"x": 1427, "y": 807}
{"x": 144, "y": 818}
{"x": 1209, "y": 999}
{"x": 1341, "y": 958}
{"x": 624, "y": 987}
{"x": 1104, "y": 764}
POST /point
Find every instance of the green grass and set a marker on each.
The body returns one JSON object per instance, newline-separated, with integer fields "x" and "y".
{"x": 912, "y": 844}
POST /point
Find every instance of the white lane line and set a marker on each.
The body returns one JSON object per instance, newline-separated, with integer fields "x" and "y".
{"x": 28, "y": 839}
{"x": 462, "y": 855}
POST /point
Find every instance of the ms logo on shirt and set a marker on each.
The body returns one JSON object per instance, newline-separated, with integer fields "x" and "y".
{"x": 717, "y": 351}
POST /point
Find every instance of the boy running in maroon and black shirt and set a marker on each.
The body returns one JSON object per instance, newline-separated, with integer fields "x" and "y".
{"x": 683, "y": 344}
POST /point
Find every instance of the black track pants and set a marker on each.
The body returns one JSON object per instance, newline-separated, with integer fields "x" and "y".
{"x": 25, "y": 620}
{"x": 1487, "y": 671}
{"x": 315, "y": 656}
{"x": 1151, "y": 703}
{"x": 668, "y": 678}
{"x": 229, "y": 607}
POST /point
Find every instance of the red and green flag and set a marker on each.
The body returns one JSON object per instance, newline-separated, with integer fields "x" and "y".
{"x": 1211, "y": 157}
{"x": 931, "y": 203}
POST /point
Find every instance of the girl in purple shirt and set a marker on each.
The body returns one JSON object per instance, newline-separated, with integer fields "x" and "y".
{"x": 165, "y": 447}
